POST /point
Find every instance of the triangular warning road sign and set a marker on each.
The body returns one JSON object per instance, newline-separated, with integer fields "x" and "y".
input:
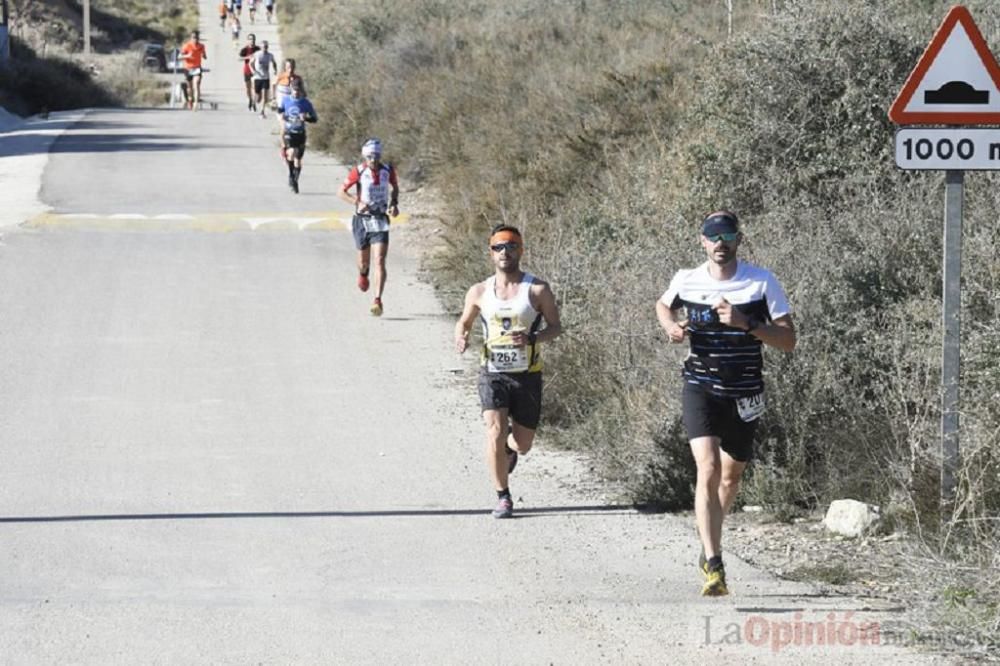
{"x": 956, "y": 82}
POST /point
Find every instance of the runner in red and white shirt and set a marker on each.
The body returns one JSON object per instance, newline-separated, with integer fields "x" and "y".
{"x": 372, "y": 188}
{"x": 245, "y": 54}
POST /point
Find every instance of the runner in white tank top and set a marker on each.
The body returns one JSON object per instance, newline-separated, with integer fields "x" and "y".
{"x": 500, "y": 319}
{"x": 511, "y": 306}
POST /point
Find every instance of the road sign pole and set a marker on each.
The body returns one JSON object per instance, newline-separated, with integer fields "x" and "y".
{"x": 951, "y": 357}
{"x": 86, "y": 28}
{"x": 4, "y": 34}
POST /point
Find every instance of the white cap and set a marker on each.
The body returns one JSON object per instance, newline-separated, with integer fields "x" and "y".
{"x": 372, "y": 148}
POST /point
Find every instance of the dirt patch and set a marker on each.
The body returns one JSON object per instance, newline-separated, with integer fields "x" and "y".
{"x": 885, "y": 572}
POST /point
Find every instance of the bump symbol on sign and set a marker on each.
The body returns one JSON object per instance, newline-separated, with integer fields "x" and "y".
{"x": 957, "y": 92}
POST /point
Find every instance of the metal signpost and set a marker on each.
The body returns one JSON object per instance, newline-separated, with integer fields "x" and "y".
{"x": 956, "y": 83}
{"x": 4, "y": 34}
{"x": 86, "y": 28}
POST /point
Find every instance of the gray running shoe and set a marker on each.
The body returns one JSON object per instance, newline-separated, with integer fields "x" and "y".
{"x": 505, "y": 509}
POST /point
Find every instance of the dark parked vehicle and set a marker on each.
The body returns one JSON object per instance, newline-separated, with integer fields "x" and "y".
{"x": 154, "y": 57}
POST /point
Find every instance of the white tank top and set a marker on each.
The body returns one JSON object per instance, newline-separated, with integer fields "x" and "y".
{"x": 501, "y": 318}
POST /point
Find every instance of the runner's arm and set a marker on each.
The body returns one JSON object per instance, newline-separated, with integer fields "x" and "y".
{"x": 351, "y": 182}
{"x": 779, "y": 333}
{"x": 676, "y": 330}
{"x": 393, "y": 192}
{"x": 469, "y": 313}
{"x": 544, "y": 302}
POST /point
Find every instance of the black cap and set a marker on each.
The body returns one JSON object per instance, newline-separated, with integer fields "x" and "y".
{"x": 720, "y": 222}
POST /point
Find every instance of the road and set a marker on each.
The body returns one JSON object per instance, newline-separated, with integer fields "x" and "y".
{"x": 213, "y": 454}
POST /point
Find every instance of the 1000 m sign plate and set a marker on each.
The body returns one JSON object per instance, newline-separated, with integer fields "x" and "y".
{"x": 947, "y": 148}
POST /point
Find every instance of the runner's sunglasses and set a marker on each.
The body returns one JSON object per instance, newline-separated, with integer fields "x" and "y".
{"x": 509, "y": 246}
{"x": 728, "y": 237}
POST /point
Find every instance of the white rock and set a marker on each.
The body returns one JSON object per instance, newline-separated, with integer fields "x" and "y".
{"x": 850, "y": 517}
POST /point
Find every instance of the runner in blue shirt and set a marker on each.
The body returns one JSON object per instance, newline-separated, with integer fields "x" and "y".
{"x": 293, "y": 114}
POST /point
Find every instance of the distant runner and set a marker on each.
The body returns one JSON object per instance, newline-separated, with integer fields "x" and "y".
{"x": 269, "y": 6}
{"x": 512, "y": 305}
{"x": 732, "y": 309}
{"x": 261, "y": 64}
{"x": 375, "y": 198}
{"x": 283, "y": 83}
{"x": 246, "y": 53}
{"x": 193, "y": 52}
{"x": 293, "y": 114}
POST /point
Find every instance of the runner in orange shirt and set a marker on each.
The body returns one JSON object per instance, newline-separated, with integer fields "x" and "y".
{"x": 193, "y": 52}
{"x": 282, "y": 87}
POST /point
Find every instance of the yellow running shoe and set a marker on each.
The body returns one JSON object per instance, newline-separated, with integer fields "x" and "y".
{"x": 376, "y": 308}
{"x": 703, "y": 564}
{"x": 715, "y": 583}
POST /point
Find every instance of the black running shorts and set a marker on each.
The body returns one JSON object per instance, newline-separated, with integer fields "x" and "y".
{"x": 518, "y": 392}
{"x": 296, "y": 140}
{"x": 261, "y": 85}
{"x": 707, "y": 415}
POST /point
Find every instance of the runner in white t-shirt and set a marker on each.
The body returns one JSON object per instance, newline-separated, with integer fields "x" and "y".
{"x": 731, "y": 309}
{"x": 261, "y": 65}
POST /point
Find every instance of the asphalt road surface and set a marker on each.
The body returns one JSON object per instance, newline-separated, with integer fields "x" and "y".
{"x": 212, "y": 453}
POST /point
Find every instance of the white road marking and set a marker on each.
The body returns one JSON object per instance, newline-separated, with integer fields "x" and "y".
{"x": 211, "y": 222}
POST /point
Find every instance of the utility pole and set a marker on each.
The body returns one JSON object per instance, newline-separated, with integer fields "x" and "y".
{"x": 86, "y": 28}
{"x": 4, "y": 34}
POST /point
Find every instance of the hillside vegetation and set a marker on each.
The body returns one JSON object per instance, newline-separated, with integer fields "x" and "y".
{"x": 606, "y": 130}
{"x": 47, "y": 71}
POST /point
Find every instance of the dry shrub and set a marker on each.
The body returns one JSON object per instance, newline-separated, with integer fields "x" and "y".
{"x": 48, "y": 71}
{"x": 123, "y": 77}
{"x": 31, "y": 84}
